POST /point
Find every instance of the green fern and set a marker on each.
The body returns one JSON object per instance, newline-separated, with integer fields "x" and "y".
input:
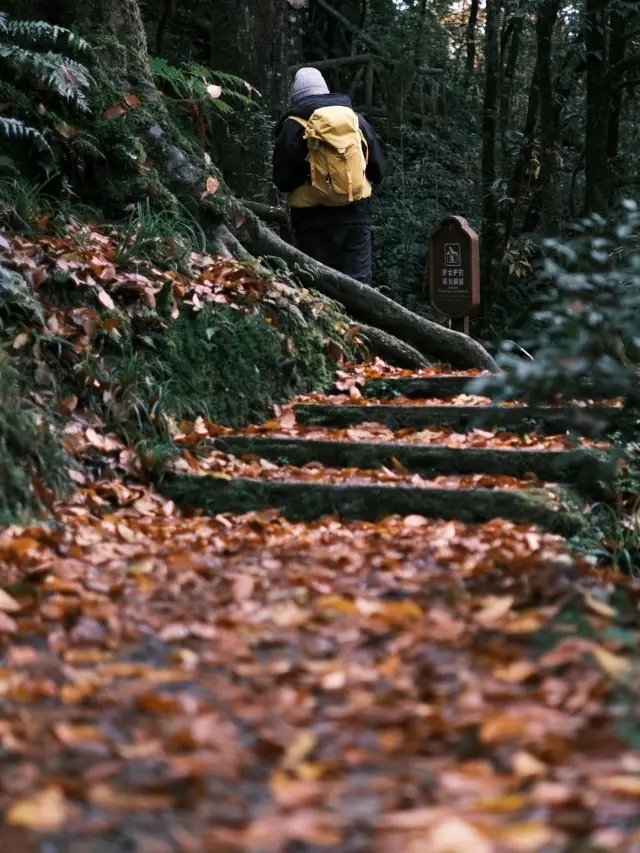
{"x": 40, "y": 32}
{"x": 25, "y": 69}
{"x": 190, "y": 81}
{"x": 16, "y": 128}
{"x": 69, "y": 79}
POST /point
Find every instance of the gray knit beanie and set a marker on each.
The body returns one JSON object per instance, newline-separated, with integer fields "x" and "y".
{"x": 307, "y": 82}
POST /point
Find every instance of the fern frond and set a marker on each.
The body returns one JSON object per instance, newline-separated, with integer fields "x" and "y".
{"x": 38, "y": 32}
{"x": 3, "y": 20}
{"x": 10, "y": 94}
{"x": 228, "y": 81}
{"x": 190, "y": 82}
{"x": 16, "y": 128}
{"x": 65, "y": 76}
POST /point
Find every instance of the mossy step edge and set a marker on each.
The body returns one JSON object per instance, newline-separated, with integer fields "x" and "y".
{"x": 302, "y": 501}
{"x": 587, "y": 468}
{"x": 439, "y": 387}
{"x": 588, "y": 422}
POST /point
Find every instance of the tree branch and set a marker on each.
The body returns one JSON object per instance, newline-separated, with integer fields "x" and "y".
{"x": 348, "y": 25}
{"x": 626, "y": 181}
{"x": 624, "y": 65}
{"x": 628, "y": 83}
{"x": 337, "y": 62}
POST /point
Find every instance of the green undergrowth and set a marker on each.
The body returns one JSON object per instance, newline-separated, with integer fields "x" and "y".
{"x": 218, "y": 363}
{"x": 143, "y": 371}
{"x": 33, "y": 467}
{"x": 611, "y": 535}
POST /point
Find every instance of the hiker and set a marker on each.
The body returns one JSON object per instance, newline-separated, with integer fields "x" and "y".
{"x": 327, "y": 157}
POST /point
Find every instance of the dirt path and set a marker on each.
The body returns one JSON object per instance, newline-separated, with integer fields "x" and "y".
{"x": 180, "y": 682}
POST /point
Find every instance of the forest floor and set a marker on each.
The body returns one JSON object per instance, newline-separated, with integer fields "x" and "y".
{"x": 175, "y": 682}
{"x": 338, "y": 629}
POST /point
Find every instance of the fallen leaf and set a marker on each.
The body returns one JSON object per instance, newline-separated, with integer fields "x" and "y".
{"x": 494, "y": 610}
{"x": 516, "y": 672}
{"x": 600, "y": 607}
{"x": 141, "y": 567}
{"x": 71, "y": 735}
{"x": 105, "y": 299}
{"x": 299, "y": 749}
{"x": 613, "y": 665}
{"x": 7, "y": 624}
{"x": 106, "y": 797}
{"x": 526, "y": 766}
{"x": 68, "y": 405}
{"x": 116, "y": 111}
{"x": 44, "y": 811}
{"x": 628, "y": 786}
{"x": 8, "y": 604}
{"x": 212, "y": 186}
{"x": 126, "y": 533}
{"x": 132, "y": 100}
{"x": 66, "y": 130}
{"x": 243, "y": 588}
{"x": 457, "y": 836}
{"x": 351, "y": 334}
{"x": 20, "y": 340}
{"x": 527, "y": 837}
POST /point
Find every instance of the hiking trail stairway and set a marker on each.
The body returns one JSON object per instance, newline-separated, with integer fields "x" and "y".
{"x": 238, "y": 683}
{"x": 545, "y": 481}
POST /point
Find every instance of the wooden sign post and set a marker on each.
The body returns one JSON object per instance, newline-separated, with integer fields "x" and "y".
{"x": 454, "y": 271}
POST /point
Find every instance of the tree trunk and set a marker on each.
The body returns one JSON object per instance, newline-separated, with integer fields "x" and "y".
{"x": 472, "y": 23}
{"x": 255, "y": 47}
{"x": 506, "y": 83}
{"x": 596, "y": 164}
{"x": 525, "y": 156}
{"x": 617, "y": 46}
{"x": 490, "y": 242}
{"x": 547, "y": 17}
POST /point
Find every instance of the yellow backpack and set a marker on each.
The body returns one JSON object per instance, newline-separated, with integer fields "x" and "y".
{"x": 338, "y": 156}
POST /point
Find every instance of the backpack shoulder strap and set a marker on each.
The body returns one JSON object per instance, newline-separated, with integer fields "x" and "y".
{"x": 299, "y": 120}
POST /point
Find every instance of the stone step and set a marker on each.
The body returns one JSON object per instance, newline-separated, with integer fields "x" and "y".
{"x": 588, "y": 468}
{"x": 303, "y": 501}
{"x": 439, "y": 387}
{"x": 518, "y": 419}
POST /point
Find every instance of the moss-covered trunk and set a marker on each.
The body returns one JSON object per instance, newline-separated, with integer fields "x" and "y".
{"x": 256, "y": 48}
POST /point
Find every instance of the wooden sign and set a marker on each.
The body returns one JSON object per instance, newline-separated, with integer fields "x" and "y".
{"x": 454, "y": 270}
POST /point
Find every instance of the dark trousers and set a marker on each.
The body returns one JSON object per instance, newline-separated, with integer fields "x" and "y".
{"x": 345, "y": 248}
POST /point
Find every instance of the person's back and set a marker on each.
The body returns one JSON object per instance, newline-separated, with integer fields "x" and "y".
{"x": 327, "y": 158}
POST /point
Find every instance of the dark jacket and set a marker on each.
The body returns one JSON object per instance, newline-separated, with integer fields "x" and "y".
{"x": 291, "y": 169}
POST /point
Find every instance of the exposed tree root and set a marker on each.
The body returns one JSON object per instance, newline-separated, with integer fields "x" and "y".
{"x": 380, "y": 343}
{"x": 392, "y": 349}
{"x": 366, "y": 304}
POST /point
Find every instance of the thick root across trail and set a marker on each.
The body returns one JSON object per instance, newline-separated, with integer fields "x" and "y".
{"x": 178, "y": 683}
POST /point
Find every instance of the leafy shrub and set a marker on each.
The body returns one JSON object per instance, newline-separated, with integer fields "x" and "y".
{"x": 431, "y": 174}
{"x": 584, "y": 333}
{"x": 31, "y": 77}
